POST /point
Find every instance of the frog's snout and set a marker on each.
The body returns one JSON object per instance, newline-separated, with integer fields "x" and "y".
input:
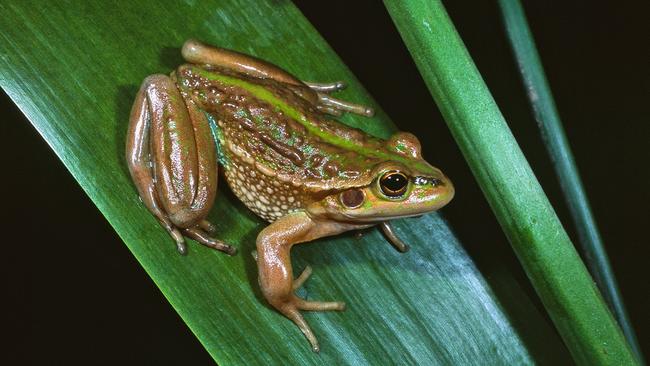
{"x": 435, "y": 192}
{"x": 447, "y": 190}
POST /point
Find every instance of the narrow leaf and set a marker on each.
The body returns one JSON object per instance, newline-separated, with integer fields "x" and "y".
{"x": 518, "y": 201}
{"x": 557, "y": 145}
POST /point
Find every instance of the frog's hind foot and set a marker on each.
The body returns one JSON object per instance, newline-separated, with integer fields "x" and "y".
{"x": 334, "y": 106}
{"x": 199, "y": 234}
{"x": 343, "y": 106}
{"x": 178, "y": 192}
{"x": 326, "y": 87}
{"x": 329, "y": 110}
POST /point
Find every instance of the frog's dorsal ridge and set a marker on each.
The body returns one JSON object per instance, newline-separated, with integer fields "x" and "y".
{"x": 287, "y": 138}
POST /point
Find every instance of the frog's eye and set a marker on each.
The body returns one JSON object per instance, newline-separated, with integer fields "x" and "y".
{"x": 393, "y": 184}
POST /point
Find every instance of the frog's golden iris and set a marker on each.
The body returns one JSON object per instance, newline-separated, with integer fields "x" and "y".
{"x": 393, "y": 184}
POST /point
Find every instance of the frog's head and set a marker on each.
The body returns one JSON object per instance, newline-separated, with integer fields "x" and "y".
{"x": 401, "y": 187}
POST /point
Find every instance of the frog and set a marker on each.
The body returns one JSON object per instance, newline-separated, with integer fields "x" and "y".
{"x": 277, "y": 141}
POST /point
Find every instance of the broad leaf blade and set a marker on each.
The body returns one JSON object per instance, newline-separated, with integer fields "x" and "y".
{"x": 74, "y": 68}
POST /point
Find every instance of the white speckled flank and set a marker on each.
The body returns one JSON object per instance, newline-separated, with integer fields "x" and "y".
{"x": 264, "y": 194}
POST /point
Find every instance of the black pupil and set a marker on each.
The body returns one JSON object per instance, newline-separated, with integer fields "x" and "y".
{"x": 394, "y": 183}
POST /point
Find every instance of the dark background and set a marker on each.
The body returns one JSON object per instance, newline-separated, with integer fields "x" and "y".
{"x": 68, "y": 309}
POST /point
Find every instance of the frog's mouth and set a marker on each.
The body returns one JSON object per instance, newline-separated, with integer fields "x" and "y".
{"x": 380, "y": 219}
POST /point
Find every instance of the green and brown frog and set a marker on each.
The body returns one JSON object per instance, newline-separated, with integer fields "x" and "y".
{"x": 283, "y": 156}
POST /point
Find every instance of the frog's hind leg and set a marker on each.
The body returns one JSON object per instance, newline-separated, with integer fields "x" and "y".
{"x": 198, "y": 53}
{"x": 140, "y": 164}
{"x": 176, "y": 182}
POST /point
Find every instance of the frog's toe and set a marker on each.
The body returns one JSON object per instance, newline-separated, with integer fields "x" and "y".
{"x": 208, "y": 227}
{"x": 303, "y": 304}
{"x": 200, "y": 236}
{"x": 320, "y": 305}
{"x": 392, "y": 237}
{"x": 341, "y": 105}
{"x": 329, "y": 110}
{"x": 291, "y": 309}
{"x": 181, "y": 247}
{"x": 298, "y": 282}
{"x": 327, "y": 87}
{"x": 291, "y": 312}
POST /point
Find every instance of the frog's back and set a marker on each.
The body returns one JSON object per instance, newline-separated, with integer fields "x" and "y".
{"x": 279, "y": 153}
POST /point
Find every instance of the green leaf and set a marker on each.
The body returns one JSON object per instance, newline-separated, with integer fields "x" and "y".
{"x": 73, "y": 68}
{"x": 557, "y": 145}
{"x": 518, "y": 201}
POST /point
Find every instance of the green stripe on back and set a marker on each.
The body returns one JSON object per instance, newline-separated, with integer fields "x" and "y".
{"x": 264, "y": 94}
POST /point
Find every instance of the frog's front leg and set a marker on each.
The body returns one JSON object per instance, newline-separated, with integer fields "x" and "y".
{"x": 172, "y": 160}
{"x": 276, "y": 274}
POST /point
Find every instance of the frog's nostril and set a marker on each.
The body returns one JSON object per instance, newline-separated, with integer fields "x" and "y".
{"x": 428, "y": 180}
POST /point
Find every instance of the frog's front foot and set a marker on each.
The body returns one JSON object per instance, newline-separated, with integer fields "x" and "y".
{"x": 313, "y": 305}
{"x": 334, "y": 106}
{"x": 290, "y": 306}
{"x": 275, "y": 272}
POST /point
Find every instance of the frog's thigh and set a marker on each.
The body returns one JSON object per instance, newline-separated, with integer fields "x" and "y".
{"x": 183, "y": 154}
{"x": 172, "y": 159}
{"x": 196, "y": 52}
{"x": 139, "y": 160}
